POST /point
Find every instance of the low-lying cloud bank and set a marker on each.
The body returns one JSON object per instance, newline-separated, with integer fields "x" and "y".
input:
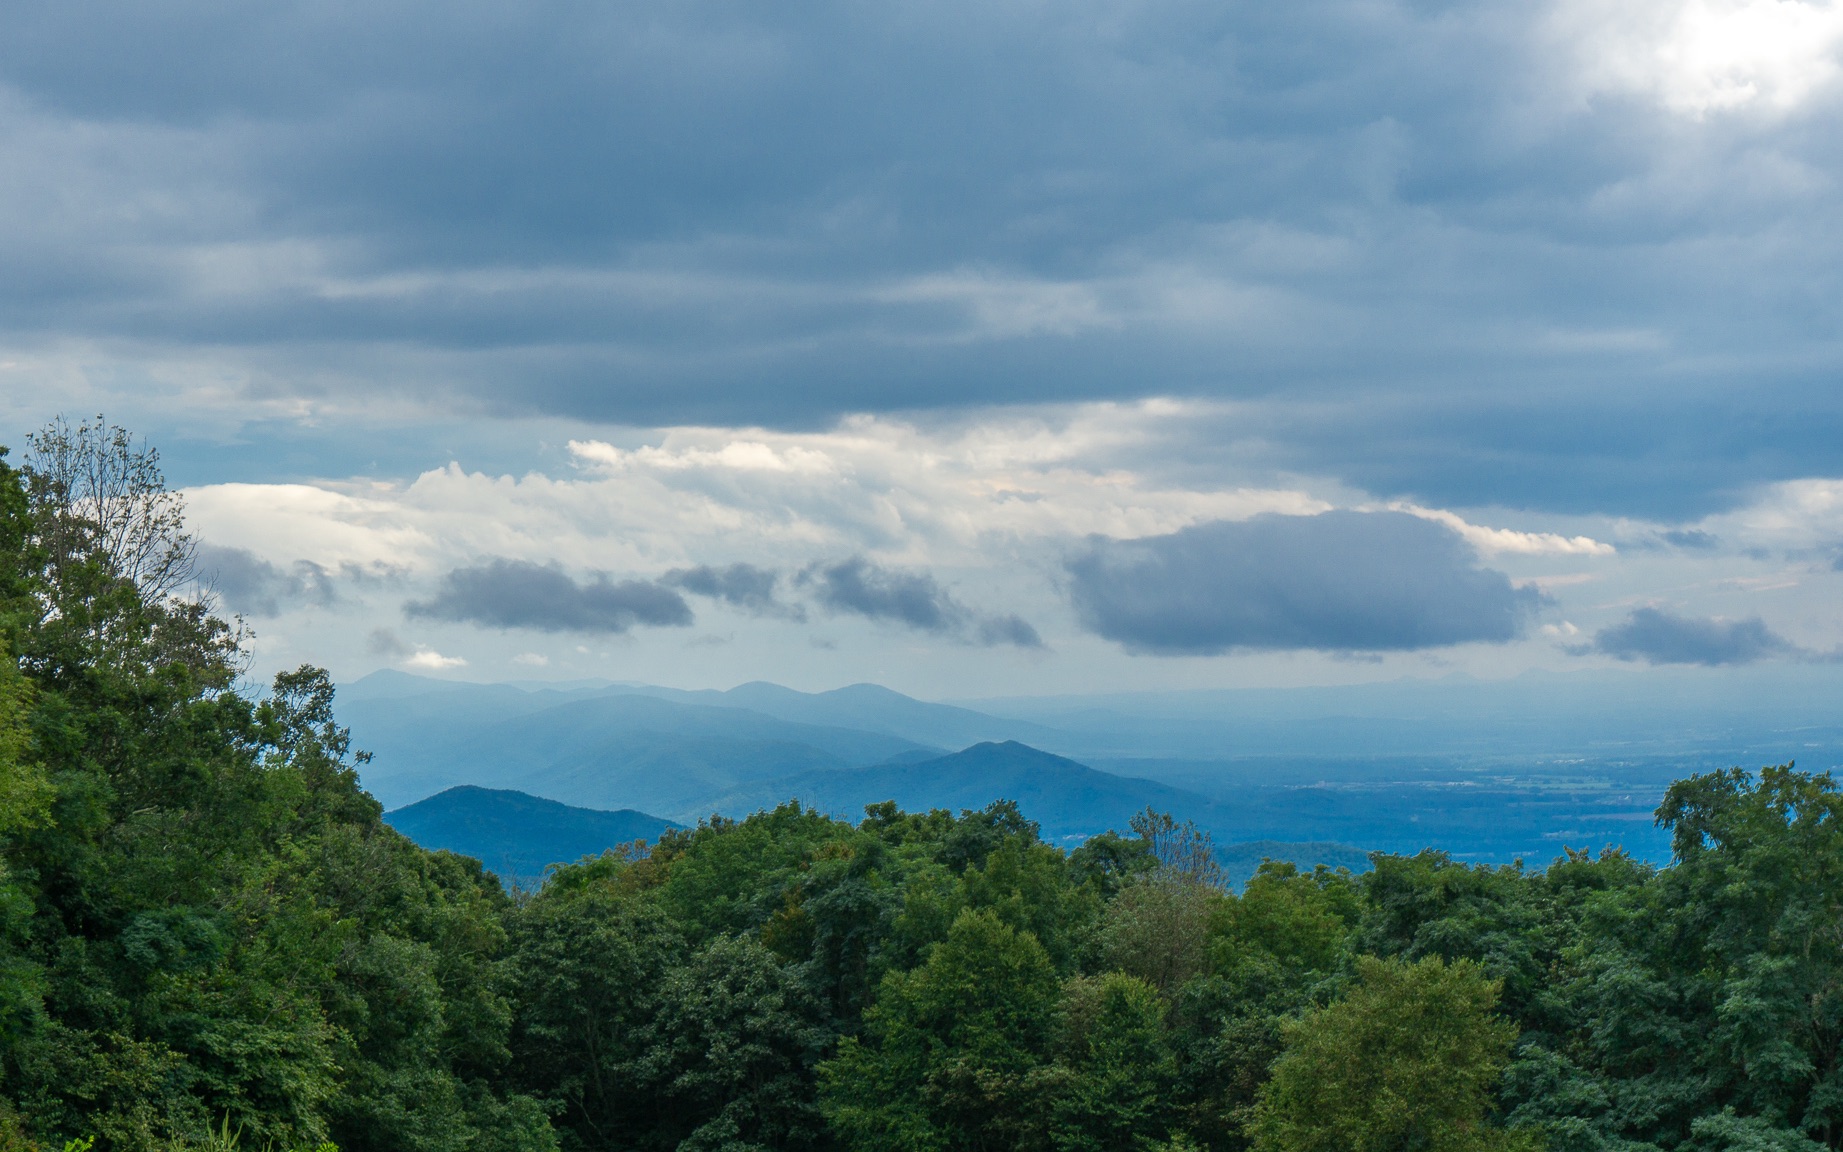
{"x": 1339, "y": 581}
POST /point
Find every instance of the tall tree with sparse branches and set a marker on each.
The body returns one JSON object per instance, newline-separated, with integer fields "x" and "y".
{"x": 96, "y": 493}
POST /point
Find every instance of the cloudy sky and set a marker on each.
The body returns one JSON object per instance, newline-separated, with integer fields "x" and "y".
{"x": 993, "y": 347}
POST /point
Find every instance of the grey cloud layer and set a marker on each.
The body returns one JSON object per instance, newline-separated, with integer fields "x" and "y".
{"x": 740, "y": 585}
{"x": 520, "y": 594}
{"x": 1340, "y": 581}
{"x": 503, "y": 593}
{"x": 913, "y": 599}
{"x": 252, "y": 586}
{"x": 1659, "y": 637}
{"x": 1435, "y": 268}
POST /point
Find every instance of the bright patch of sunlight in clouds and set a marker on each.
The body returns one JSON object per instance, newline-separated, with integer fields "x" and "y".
{"x": 1703, "y": 56}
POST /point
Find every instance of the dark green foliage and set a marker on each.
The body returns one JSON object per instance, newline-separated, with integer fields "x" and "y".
{"x": 592, "y": 959}
{"x": 204, "y": 926}
{"x": 950, "y": 1048}
{"x": 1114, "y": 1063}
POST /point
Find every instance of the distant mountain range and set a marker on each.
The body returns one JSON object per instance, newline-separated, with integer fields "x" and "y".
{"x": 522, "y": 776}
{"x": 598, "y": 749}
{"x": 1489, "y": 771}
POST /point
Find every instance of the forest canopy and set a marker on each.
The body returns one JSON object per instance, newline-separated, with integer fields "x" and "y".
{"x": 208, "y": 936}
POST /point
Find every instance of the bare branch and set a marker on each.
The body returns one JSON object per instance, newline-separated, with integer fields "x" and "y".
{"x": 100, "y": 495}
{"x": 1183, "y": 851}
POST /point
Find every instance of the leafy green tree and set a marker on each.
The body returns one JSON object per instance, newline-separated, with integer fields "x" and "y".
{"x": 1726, "y": 1132}
{"x": 1714, "y": 984}
{"x": 1114, "y": 1068}
{"x": 204, "y": 925}
{"x": 590, "y": 960}
{"x": 990, "y": 859}
{"x": 1279, "y": 947}
{"x": 1757, "y": 932}
{"x": 1157, "y": 928}
{"x": 1429, "y": 905}
{"x": 1107, "y": 861}
{"x": 734, "y": 1046}
{"x": 950, "y": 1048}
{"x": 1408, "y": 1060}
{"x": 1285, "y": 936}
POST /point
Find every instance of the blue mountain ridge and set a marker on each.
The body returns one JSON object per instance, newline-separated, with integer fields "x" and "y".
{"x": 1471, "y": 768}
{"x": 516, "y": 835}
{"x": 598, "y": 750}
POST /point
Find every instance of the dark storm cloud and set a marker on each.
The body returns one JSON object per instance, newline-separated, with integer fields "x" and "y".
{"x": 252, "y": 586}
{"x": 1658, "y": 637}
{"x": 1340, "y": 581}
{"x": 656, "y": 212}
{"x": 739, "y": 585}
{"x": 520, "y": 594}
{"x": 913, "y": 599}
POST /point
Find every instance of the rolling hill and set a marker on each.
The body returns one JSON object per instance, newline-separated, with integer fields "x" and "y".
{"x": 517, "y": 835}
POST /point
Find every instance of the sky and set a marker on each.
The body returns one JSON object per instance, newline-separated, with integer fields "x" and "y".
{"x": 988, "y": 348}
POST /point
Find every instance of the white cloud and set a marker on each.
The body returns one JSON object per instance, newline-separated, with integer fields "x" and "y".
{"x": 287, "y": 522}
{"x": 991, "y": 508}
{"x": 1698, "y": 57}
{"x": 1499, "y": 541}
{"x": 737, "y": 455}
{"x": 906, "y": 492}
{"x": 1794, "y": 516}
{"x": 429, "y": 660}
{"x": 968, "y": 496}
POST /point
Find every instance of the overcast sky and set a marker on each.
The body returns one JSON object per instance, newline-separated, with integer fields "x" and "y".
{"x": 967, "y": 347}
